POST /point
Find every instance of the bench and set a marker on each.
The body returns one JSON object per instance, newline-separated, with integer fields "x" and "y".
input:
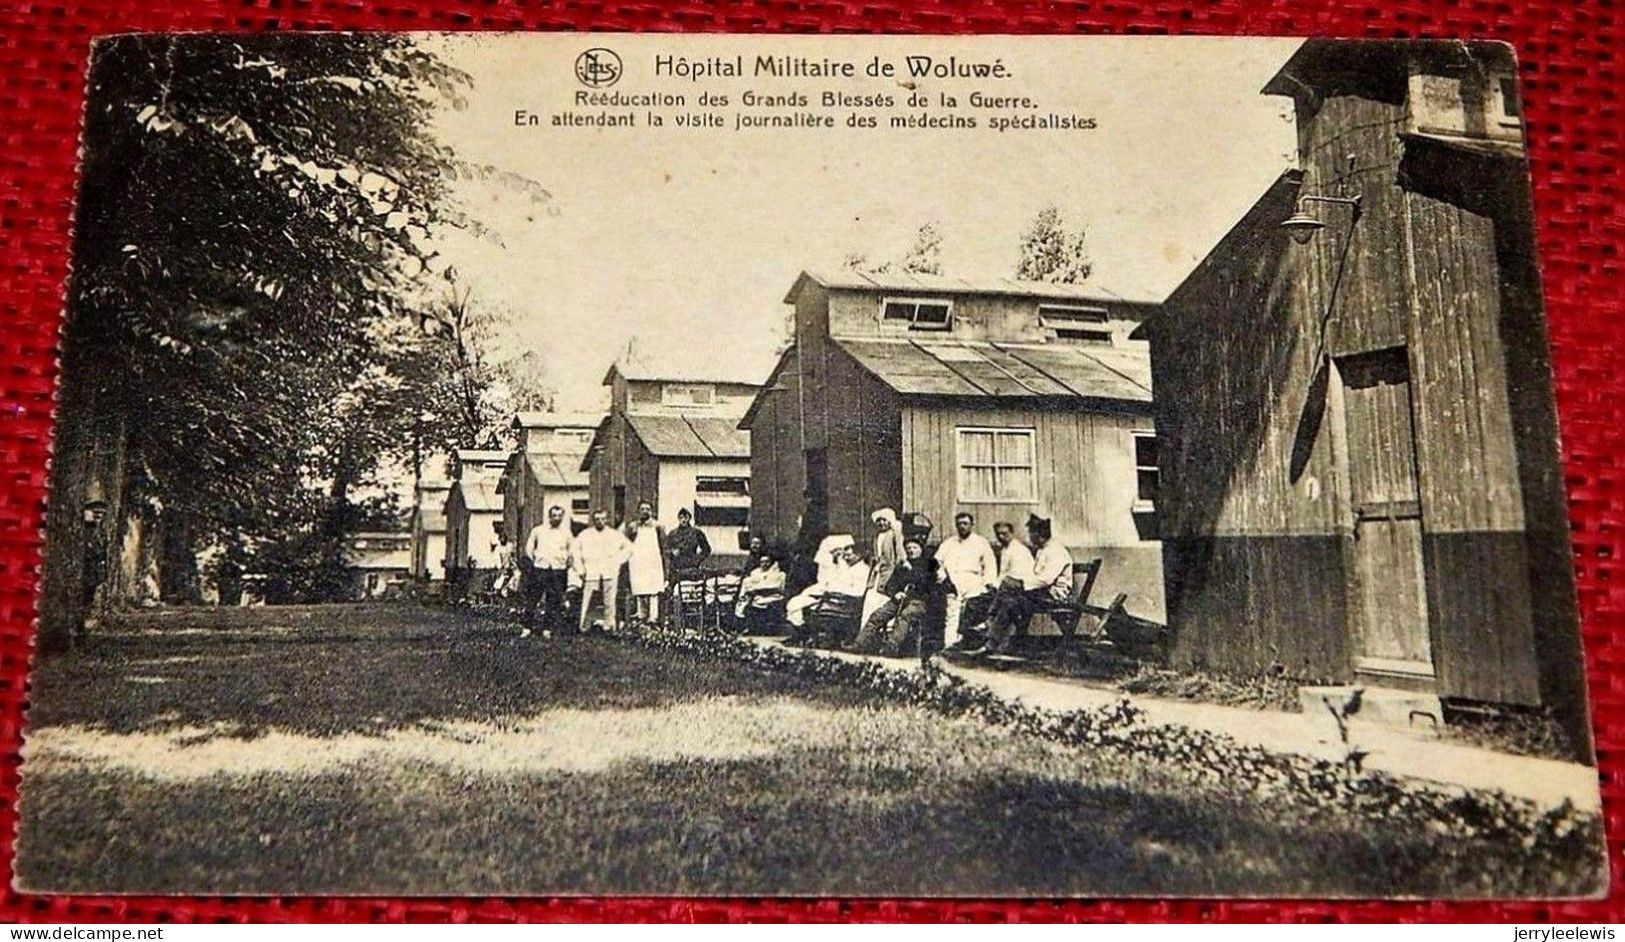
{"x": 1066, "y": 614}
{"x": 1129, "y": 634}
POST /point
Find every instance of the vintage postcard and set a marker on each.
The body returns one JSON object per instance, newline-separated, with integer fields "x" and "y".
{"x": 806, "y": 465}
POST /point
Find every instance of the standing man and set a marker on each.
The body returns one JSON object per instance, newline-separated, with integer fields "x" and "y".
{"x": 598, "y": 554}
{"x": 687, "y": 549}
{"x": 646, "y": 563}
{"x": 502, "y": 563}
{"x": 966, "y": 561}
{"x": 94, "y": 560}
{"x": 548, "y": 550}
{"x": 1049, "y": 582}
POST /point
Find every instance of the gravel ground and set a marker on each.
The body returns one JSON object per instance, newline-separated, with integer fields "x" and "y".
{"x": 407, "y": 750}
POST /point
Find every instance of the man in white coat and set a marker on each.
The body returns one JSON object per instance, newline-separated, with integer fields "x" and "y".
{"x": 598, "y": 553}
{"x": 966, "y": 560}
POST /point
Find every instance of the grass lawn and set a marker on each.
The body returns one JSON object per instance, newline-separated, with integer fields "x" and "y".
{"x": 402, "y": 750}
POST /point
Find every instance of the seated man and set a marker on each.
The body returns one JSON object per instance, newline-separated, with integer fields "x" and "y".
{"x": 1049, "y": 582}
{"x": 1015, "y": 566}
{"x": 754, "y": 548}
{"x": 903, "y": 616}
{"x": 833, "y": 619}
{"x": 760, "y": 606}
{"x": 824, "y": 562}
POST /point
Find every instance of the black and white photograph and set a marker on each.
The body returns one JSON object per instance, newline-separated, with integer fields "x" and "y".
{"x": 761, "y": 465}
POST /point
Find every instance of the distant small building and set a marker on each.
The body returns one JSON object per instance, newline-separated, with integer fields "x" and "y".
{"x": 473, "y": 512}
{"x": 672, "y": 437}
{"x": 545, "y": 470}
{"x": 1359, "y": 440}
{"x": 429, "y": 531}
{"x": 932, "y": 394}
{"x": 380, "y": 563}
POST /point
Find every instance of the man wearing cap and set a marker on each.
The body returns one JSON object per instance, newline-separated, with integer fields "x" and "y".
{"x": 687, "y": 548}
{"x": 1049, "y": 582}
{"x": 94, "y": 569}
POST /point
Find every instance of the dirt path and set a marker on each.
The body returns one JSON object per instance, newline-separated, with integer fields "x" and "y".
{"x": 411, "y": 750}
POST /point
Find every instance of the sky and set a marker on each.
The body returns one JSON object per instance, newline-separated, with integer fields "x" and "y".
{"x": 685, "y": 241}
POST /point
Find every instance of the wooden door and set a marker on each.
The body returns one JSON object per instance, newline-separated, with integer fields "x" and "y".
{"x": 1389, "y": 606}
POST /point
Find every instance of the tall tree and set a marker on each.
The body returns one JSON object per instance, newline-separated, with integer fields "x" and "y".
{"x": 1049, "y": 252}
{"x": 255, "y": 216}
{"x": 925, "y": 255}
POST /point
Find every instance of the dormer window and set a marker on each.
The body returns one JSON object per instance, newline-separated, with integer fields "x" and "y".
{"x": 1509, "y": 106}
{"x": 1076, "y": 323}
{"x": 917, "y": 313}
{"x": 687, "y": 394}
{"x": 572, "y": 437}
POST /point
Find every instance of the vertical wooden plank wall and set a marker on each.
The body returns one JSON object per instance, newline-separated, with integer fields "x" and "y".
{"x": 1085, "y": 481}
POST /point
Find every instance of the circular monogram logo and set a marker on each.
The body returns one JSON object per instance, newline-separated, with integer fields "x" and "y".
{"x": 598, "y": 68}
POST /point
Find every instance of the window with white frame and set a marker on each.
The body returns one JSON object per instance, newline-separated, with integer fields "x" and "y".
{"x": 996, "y": 465}
{"x": 721, "y": 515}
{"x": 1147, "y": 470}
{"x": 917, "y": 313}
{"x": 687, "y": 394}
{"x": 722, "y": 500}
{"x": 1076, "y": 323}
{"x": 721, "y": 486}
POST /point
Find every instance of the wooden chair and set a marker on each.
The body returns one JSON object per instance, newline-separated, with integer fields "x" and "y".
{"x": 833, "y": 619}
{"x": 1068, "y": 613}
{"x": 724, "y": 593}
{"x": 688, "y": 603}
{"x": 1132, "y": 636}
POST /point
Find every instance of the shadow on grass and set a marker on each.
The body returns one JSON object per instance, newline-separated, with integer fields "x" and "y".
{"x": 800, "y": 823}
{"x": 366, "y": 670}
{"x": 903, "y": 803}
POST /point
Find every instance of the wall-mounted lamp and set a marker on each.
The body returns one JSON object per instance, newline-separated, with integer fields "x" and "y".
{"x": 1302, "y": 226}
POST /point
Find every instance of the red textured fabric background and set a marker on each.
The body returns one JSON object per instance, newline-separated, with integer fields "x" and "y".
{"x": 1572, "y": 85}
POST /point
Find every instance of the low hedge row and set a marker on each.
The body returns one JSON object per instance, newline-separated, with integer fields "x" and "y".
{"x": 1561, "y": 835}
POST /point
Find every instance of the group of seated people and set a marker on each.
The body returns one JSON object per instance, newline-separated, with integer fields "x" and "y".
{"x": 905, "y": 598}
{"x": 911, "y": 598}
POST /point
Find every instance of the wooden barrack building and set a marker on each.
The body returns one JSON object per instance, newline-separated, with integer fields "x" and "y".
{"x": 1360, "y": 475}
{"x": 932, "y": 394}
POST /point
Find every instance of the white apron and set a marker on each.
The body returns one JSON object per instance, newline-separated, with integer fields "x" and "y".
{"x": 647, "y": 571}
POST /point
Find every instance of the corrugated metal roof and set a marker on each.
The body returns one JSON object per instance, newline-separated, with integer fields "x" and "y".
{"x": 1005, "y": 370}
{"x": 557, "y": 419}
{"x": 481, "y": 455}
{"x": 379, "y": 550}
{"x": 676, "y": 436}
{"x": 555, "y": 470}
{"x": 912, "y": 283}
{"x": 697, "y": 363}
